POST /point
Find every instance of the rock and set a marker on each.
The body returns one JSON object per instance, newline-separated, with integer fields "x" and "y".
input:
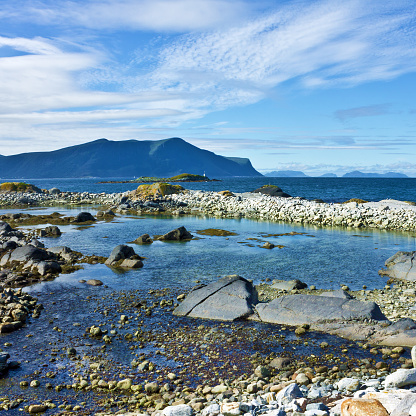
{"x": 52, "y": 231}
{"x": 178, "y": 234}
{"x": 37, "y": 408}
{"x": 403, "y": 408}
{"x": 143, "y": 239}
{"x": 84, "y": 217}
{"x": 105, "y": 214}
{"x": 227, "y": 299}
{"x": 94, "y": 282}
{"x": 343, "y": 294}
{"x": 349, "y": 384}
{"x": 4, "y": 356}
{"x": 132, "y": 264}
{"x": 45, "y": 267}
{"x": 401, "y": 378}
{"x": 289, "y": 393}
{"x": 271, "y": 190}
{"x": 363, "y": 407}
{"x": 151, "y": 388}
{"x": 62, "y": 251}
{"x": 401, "y": 265}
{"x": 268, "y": 245}
{"x": 230, "y": 409}
{"x": 24, "y": 254}
{"x": 5, "y": 227}
{"x": 262, "y": 371}
{"x": 413, "y": 354}
{"x": 288, "y": 285}
{"x": 119, "y": 253}
{"x": 179, "y": 410}
{"x": 124, "y": 384}
{"x": 280, "y": 362}
{"x": 54, "y": 191}
{"x": 308, "y": 309}
{"x": 302, "y": 379}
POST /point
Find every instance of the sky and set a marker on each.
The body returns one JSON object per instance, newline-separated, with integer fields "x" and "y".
{"x": 310, "y": 85}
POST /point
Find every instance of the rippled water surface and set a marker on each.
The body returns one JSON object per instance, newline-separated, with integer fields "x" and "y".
{"x": 325, "y": 257}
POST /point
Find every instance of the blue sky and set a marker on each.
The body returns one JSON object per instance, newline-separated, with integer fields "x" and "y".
{"x": 317, "y": 86}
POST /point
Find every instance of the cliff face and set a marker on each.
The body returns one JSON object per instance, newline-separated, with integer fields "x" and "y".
{"x": 104, "y": 158}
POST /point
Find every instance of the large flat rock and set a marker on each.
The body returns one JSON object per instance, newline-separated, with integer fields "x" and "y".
{"x": 227, "y": 299}
{"x": 309, "y": 309}
{"x": 401, "y": 265}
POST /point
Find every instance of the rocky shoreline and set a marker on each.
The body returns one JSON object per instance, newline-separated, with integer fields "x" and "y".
{"x": 276, "y": 384}
{"x": 386, "y": 214}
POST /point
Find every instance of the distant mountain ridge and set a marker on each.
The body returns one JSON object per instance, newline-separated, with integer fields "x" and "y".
{"x": 129, "y": 158}
{"x": 358, "y": 174}
{"x": 286, "y": 174}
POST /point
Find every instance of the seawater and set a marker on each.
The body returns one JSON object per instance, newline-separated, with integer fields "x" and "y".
{"x": 325, "y": 257}
{"x": 327, "y": 189}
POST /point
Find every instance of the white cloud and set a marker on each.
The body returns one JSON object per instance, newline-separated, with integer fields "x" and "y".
{"x": 154, "y": 15}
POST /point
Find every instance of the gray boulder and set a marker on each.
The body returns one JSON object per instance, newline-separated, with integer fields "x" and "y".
{"x": 401, "y": 265}
{"x": 45, "y": 267}
{"x": 227, "y": 299}
{"x": 143, "y": 239}
{"x": 309, "y": 309}
{"x": 5, "y": 227}
{"x": 54, "y": 191}
{"x": 62, "y": 251}
{"x": 84, "y": 217}
{"x": 176, "y": 235}
{"x": 288, "y": 285}
{"x": 4, "y": 356}
{"x": 52, "y": 231}
{"x": 124, "y": 256}
{"x": 337, "y": 294}
{"x": 25, "y": 254}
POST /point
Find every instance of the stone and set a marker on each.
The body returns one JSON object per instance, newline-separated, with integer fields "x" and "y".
{"x": 5, "y": 227}
{"x": 24, "y": 254}
{"x": 94, "y": 282}
{"x": 288, "y": 285}
{"x": 132, "y": 264}
{"x": 4, "y": 356}
{"x": 52, "y": 231}
{"x": 401, "y": 265}
{"x": 178, "y": 234}
{"x": 403, "y": 408}
{"x": 401, "y": 378}
{"x": 179, "y": 410}
{"x": 262, "y": 371}
{"x": 37, "y": 408}
{"x": 307, "y": 309}
{"x": 230, "y": 409}
{"x": 45, "y": 267}
{"x": 124, "y": 384}
{"x": 348, "y": 384}
{"x": 268, "y": 245}
{"x": 343, "y": 294}
{"x": 227, "y": 299}
{"x": 289, "y": 393}
{"x": 413, "y": 354}
{"x": 363, "y": 407}
{"x": 151, "y": 388}
{"x": 212, "y": 409}
{"x": 279, "y": 363}
{"x": 84, "y": 217}
{"x": 302, "y": 379}
{"x": 120, "y": 252}
{"x": 271, "y": 190}
{"x": 143, "y": 239}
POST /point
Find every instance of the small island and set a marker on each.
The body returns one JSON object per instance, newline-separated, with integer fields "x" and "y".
{"x": 183, "y": 177}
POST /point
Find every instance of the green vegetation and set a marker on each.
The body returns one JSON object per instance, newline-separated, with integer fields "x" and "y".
{"x": 216, "y": 232}
{"x": 18, "y": 187}
{"x": 188, "y": 177}
{"x": 357, "y": 200}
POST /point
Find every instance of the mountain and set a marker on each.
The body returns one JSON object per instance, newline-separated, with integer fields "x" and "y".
{"x": 329, "y": 175}
{"x": 286, "y": 174}
{"x": 104, "y": 158}
{"x": 358, "y": 174}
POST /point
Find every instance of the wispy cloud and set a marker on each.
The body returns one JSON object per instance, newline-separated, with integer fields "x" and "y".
{"x": 366, "y": 111}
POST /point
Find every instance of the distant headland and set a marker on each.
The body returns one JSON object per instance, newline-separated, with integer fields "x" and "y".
{"x": 354, "y": 174}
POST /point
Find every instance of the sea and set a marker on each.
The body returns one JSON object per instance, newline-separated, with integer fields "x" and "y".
{"x": 327, "y": 189}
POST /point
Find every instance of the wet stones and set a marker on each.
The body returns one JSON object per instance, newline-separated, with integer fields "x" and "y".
{"x": 179, "y": 234}
{"x": 84, "y": 217}
{"x": 143, "y": 239}
{"x": 124, "y": 256}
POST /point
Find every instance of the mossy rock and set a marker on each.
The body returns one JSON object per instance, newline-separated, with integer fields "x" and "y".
{"x": 188, "y": 177}
{"x": 216, "y": 232}
{"x": 153, "y": 190}
{"x": 357, "y": 200}
{"x": 18, "y": 187}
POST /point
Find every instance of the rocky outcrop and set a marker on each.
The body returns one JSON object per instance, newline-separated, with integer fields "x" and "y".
{"x": 179, "y": 234}
{"x": 84, "y": 217}
{"x": 288, "y": 285}
{"x": 308, "y": 309}
{"x": 271, "y": 190}
{"x": 143, "y": 239}
{"x": 124, "y": 256}
{"x": 401, "y": 265}
{"x": 228, "y": 299}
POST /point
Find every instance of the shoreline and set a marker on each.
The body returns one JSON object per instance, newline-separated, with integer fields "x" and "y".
{"x": 385, "y": 215}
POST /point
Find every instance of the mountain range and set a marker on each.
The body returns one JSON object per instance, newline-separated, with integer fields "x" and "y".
{"x": 354, "y": 174}
{"x": 129, "y": 158}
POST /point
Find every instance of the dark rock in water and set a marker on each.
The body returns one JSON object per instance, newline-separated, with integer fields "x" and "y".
{"x": 337, "y": 294}
{"x": 4, "y": 356}
{"x": 176, "y": 235}
{"x": 124, "y": 256}
{"x": 94, "y": 282}
{"x": 143, "y": 239}
{"x": 288, "y": 285}
{"x": 84, "y": 217}
{"x": 52, "y": 231}
{"x": 271, "y": 190}
{"x": 228, "y": 299}
{"x": 106, "y": 214}
{"x": 401, "y": 265}
{"x": 308, "y": 309}
{"x": 268, "y": 245}
{"x": 54, "y": 191}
